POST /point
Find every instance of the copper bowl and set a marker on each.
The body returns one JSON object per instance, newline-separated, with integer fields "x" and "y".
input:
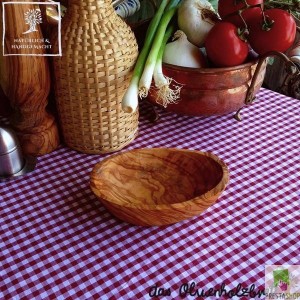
{"x": 213, "y": 91}
{"x": 159, "y": 186}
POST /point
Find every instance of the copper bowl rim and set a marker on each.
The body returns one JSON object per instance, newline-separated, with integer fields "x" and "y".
{"x": 219, "y": 187}
{"x": 211, "y": 70}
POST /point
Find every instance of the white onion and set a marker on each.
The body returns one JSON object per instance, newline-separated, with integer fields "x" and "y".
{"x": 195, "y": 19}
{"x": 183, "y": 53}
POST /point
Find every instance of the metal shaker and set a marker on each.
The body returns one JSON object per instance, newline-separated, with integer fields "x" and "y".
{"x": 12, "y": 162}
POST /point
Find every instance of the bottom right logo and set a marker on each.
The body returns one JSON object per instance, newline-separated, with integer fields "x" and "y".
{"x": 282, "y": 282}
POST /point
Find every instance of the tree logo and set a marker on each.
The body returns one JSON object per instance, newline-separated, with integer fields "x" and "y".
{"x": 33, "y": 17}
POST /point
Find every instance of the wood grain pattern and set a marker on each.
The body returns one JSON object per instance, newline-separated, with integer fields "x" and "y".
{"x": 159, "y": 186}
{"x": 4, "y": 104}
{"x": 26, "y": 82}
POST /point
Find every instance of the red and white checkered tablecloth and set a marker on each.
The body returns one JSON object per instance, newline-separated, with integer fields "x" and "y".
{"x": 58, "y": 242}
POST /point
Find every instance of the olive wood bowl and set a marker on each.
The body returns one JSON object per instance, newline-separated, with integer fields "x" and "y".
{"x": 158, "y": 186}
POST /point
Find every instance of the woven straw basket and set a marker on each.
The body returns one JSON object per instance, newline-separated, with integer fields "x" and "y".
{"x": 99, "y": 51}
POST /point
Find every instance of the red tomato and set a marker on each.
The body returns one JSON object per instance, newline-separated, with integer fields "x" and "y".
{"x": 280, "y": 36}
{"x": 224, "y": 47}
{"x": 247, "y": 15}
{"x": 227, "y": 7}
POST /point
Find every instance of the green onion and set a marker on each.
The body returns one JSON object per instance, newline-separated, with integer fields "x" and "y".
{"x": 146, "y": 79}
{"x": 130, "y": 98}
{"x": 158, "y": 73}
{"x": 161, "y": 18}
{"x": 165, "y": 94}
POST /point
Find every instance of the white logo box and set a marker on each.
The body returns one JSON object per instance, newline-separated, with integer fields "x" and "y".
{"x": 27, "y": 41}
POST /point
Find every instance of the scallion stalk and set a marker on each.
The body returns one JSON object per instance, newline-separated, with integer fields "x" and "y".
{"x": 130, "y": 98}
{"x": 158, "y": 76}
{"x": 146, "y": 78}
{"x": 165, "y": 93}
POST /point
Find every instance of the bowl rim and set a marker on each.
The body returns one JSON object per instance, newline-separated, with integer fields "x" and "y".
{"x": 213, "y": 69}
{"x": 219, "y": 187}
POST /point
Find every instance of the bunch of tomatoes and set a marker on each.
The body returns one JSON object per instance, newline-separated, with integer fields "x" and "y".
{"x": 245, "y": 25}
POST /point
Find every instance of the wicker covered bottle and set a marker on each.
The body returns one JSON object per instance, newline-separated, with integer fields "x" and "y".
{"x": 99, "y": 51}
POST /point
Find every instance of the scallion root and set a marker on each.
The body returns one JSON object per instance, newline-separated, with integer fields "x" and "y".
{"x": 168, "y": 93}
{"x": 143, "y": 92}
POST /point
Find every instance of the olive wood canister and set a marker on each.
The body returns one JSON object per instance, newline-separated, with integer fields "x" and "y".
{"x": 25, "y": 80}
{"x": 99, "y": 51}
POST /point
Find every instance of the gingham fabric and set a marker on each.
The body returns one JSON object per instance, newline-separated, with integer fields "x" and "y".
{"x": 58, "y": 242}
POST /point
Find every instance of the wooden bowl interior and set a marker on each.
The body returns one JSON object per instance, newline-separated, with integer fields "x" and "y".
{"x": 151, "y": 178}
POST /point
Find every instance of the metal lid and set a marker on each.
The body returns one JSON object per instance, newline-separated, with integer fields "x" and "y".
{"x": 12, "y": 162}
{"x": 8, "y": 140}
